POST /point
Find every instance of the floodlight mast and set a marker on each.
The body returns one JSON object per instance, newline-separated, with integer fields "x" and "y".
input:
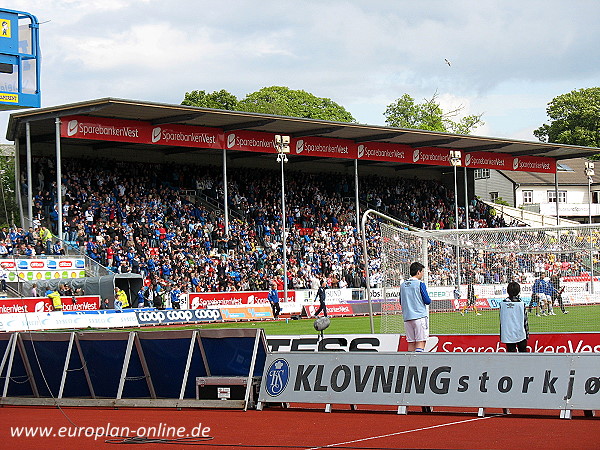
{"x": 282, "y": 145}
{"x": 589, "y": 172}
{"x": 455, "y": 160}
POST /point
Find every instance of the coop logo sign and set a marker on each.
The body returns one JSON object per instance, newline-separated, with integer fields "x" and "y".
{"x": 177, "y": 316}
{"x": 540, "y": 381}
{"x": 277, "y": 377}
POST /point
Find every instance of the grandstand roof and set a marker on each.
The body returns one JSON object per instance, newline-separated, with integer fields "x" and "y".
{"x": 42, "y": 126}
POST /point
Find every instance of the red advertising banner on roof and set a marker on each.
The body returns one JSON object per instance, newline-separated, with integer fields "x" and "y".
{"x": 138, "y": 132}
{"x": 106, "y": 129}
{"x": 187, "y": 136}
{"x": 250, "y": 141}
{"x": 502, "y": 161}
{"x": 383, "y": 151}
{"x": 534, "y": 164}
{"x": 431, "y": 156}
{"x": 325, "y": 147}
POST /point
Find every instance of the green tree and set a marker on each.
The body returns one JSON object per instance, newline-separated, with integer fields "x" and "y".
{"x": 217, "y": 100}
{"x": 9, "y": 209}
{"x": 282, "y": 101}
{"x": 574, "y": 119}
{"x": 405, "y": 113}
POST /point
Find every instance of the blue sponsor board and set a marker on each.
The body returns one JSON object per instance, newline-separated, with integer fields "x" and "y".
{"x": 494, "y": 301}
{"x": 169, "y": 316}
{"x": 255, "y": 313}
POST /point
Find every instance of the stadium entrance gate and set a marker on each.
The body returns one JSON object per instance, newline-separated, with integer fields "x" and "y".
{"x": 481, "y": 262}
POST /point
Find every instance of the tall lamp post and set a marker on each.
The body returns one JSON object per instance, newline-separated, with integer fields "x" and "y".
{"x": 455, "y": 159}
{"x": 282, "y": 144}
{"x": 589, "y": 172}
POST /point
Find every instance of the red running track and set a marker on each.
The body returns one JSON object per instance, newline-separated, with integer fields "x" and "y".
{"x": 301, "y": 428}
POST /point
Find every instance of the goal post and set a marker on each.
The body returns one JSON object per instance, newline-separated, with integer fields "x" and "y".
{"x": 467, "y": 272}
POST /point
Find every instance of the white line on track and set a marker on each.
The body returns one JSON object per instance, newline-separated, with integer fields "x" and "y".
{"x": 404, "y": 432}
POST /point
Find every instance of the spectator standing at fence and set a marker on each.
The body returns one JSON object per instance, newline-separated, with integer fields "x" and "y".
{"x": 414, "y": 299}
{"x": 321, "y": 296}
{"x": 273, "y": 299}
{"x": 175, "y": 302}
{"x": 514, "y": 329}
{"x": 3, "y": 277}
{"x": 141, "y": 299}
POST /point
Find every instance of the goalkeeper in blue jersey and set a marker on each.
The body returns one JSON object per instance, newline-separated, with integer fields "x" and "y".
{"x": 414, "y": 300}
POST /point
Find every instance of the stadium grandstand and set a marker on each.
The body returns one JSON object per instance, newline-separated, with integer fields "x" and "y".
{"x": 159, "y": 206}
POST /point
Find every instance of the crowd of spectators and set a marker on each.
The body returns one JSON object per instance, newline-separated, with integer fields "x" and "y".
{"x": 142, "y": 218}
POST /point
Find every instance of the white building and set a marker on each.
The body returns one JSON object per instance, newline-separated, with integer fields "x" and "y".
{"x": 537, "y": 192}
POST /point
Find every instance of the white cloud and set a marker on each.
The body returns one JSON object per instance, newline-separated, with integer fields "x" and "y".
{"x": 509, "y": 57}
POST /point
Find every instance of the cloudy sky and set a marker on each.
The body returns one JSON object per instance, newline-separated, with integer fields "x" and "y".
{"x": 509, "y": 58}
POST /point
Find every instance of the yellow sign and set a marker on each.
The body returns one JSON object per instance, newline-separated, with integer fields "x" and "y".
{"x": 5, "y": 28}
{"x": 11, "y": 98}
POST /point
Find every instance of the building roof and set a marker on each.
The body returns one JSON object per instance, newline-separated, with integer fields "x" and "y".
{"x": 42, "y": 128}
{"x": 571, "y": 172}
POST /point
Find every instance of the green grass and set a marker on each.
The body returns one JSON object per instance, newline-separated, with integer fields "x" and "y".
{"x": 579, "y": 319}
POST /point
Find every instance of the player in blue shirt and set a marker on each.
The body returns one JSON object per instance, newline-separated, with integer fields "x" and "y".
{"x": 414, "y": 299}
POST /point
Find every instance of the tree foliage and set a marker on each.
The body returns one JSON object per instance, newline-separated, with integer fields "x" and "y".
{"x": 9, "y": 208}
{"x": 277, "y": 100}
{"x": 405, "y": 113}
{"x": 282, "y": 101}
{"x": 217, "y": 100}
{"x": 574, "y": 119}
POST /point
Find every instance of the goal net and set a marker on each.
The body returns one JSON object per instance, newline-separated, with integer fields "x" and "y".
{"x": 467, "y": 272}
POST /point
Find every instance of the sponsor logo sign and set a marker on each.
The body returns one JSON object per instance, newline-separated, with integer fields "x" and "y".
{"x": 164, "y": 317}
{"x": 277, "y": 377}
{"x": 502, "y": 161}
{"x": 44, "y": 264}
{"x": 31, "y": 275}
{"x": 326, "y": 147}
{"x": 216, "y": 299}
{"x": 539, "y": 381}
{"x": 120, "y": 130}
{"x": 336, "y": 343}
{"x": 332, "y": 310}
{"x": 251, "y": 141}
{"x": 62, "y": 320}
{"x": 44, "y": 304}
{"x": 537, "y": 343}
{"x": 187, "y": 136}
{"x": 246, "y": 312}
{"x": 382, "y": 151}
{"x": 431, "y": 156}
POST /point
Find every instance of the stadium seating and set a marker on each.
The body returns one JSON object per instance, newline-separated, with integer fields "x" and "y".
{"x": 156, "y": 220}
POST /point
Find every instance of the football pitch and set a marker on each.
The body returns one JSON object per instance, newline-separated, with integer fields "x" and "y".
{"x": 579, "y": 319}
